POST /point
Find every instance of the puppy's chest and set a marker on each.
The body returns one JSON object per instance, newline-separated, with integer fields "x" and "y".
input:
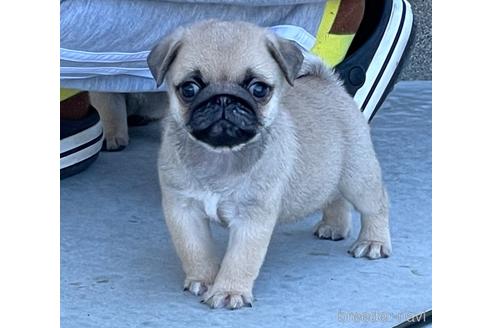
{"x": 217, "y": 207}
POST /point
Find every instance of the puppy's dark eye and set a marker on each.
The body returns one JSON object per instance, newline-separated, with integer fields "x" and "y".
{"x": 189, "y": 90}
{"x": 259, "y": 89}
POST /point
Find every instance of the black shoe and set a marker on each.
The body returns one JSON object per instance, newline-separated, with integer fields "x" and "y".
{"x": 376, "y": 55}
{"x": 80, "y": 142}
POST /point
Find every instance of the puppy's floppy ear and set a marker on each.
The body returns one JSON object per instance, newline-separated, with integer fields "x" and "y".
{"x": 162, "y": 55}
{"x": 288, "y": 56}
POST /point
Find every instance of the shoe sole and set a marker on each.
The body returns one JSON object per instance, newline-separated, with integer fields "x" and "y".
{"x": 80, "y": 148}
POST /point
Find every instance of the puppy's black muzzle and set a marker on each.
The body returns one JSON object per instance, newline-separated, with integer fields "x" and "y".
{"x": 223, "y": 115}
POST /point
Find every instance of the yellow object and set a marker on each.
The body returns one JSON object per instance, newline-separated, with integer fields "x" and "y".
{"x": 67, "y": 93}
{"x": 332, "y": 48}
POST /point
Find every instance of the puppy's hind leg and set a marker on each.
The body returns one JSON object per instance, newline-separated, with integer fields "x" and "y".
{"x": 336, "y": 221}
{"x": 112, "y": 110}
{"x": 362, "y": 185}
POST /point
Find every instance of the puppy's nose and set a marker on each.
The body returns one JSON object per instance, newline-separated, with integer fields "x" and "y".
{"x": 222, "y": 101}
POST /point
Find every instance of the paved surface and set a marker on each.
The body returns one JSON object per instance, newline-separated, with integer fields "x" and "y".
{"x": 119, "y": 268}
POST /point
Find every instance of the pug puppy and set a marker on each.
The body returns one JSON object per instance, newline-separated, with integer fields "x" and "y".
{"x": 118, "y": 110}
{"x": 255, "y": 135}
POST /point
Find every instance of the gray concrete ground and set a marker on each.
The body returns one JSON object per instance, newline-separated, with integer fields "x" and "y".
{"x": 119, "y": 268}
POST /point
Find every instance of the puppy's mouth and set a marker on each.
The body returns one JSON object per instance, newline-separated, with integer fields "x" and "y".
{"x": 223, "y": 119}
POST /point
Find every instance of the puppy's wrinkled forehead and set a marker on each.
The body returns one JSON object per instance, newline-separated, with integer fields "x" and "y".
{"x": 222, "y": 51}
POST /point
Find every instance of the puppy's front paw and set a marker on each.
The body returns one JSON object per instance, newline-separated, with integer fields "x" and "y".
{"x": 115, "y": 142}
{"x": 199, "y": 278}
{"x": 230, "y": 299}
{"x": 325, "y": 230}
{"x": 195, "y": 287}
{"x": 371, "y": 249}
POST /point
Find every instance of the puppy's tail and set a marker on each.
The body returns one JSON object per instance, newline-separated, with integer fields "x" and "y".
{"x": 314, "y": 66}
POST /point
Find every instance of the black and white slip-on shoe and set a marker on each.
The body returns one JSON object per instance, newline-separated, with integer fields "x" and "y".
{"x": 376, "y": 55}
{"x": 80, "y": 143}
